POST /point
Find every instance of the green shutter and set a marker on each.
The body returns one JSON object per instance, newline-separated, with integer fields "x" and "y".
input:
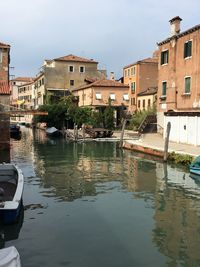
{"x": 164, "y": 88}
{"x": 187, "y": 85}
{"x": 185, "y": 50}
{"x": 189, "y": 48}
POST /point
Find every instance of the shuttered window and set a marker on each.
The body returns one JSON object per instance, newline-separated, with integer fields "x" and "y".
{"x": 164, "y": 88}
{"x": 187, "y": 85}
{"x": 164, "y": 57}
{"x": 188, "y": 49}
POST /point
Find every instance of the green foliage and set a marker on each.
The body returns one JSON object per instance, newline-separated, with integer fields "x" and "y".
{"x": 109, "y": 116}
{"x": 180, "y": 158}
{"x": 67, "y": 112}
{"x": 139, "y": 116}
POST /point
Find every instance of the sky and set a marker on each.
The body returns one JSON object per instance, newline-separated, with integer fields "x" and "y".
{"x": 113, "y": 32}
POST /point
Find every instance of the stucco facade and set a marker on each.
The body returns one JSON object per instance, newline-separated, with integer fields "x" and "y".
{"x": 140, "y": 76}
{"x": 61, "y": 75}
{"x": 147, "y": 100}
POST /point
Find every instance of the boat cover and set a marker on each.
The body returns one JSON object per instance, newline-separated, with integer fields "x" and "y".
{"x": 9, "y": 257}
{"x": 196, "y": 163}
{"x": 51, "y": 130}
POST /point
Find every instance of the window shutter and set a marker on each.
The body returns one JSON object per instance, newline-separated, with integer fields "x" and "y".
{"x": 162, "y": 58}
{"x": 189, "y": 48}
{"x": 185, "y": 50}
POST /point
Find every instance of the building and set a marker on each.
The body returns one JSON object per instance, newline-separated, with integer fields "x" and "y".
{"x": 178, "y": 84}
{"x": 147, "y": 99}
{"x": 14, "y": 87}
{"x": 140, "y": 76}
{"x": 4, "y": 95}
{"x": 26, "y": 97}
{"x": 61, "y": 75}
{"x": 97, "y": 94}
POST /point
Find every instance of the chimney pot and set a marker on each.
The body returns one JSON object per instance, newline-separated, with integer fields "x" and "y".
{"x": 175, "y": 25}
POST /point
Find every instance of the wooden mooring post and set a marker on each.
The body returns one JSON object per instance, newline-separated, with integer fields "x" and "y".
{"x": 122, "y": 133}
{"x": 167, "y": 141}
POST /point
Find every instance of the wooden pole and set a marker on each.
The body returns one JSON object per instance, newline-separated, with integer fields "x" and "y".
{"x": 83, "y": 129}
{"x": 167, "y": 141}
{"x": 122, "y": 133}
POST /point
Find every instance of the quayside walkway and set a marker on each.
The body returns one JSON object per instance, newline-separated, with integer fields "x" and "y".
{"x": 153, "y": 142}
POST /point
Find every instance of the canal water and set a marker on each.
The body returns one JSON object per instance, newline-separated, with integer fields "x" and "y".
{"x": 92, "y": 204}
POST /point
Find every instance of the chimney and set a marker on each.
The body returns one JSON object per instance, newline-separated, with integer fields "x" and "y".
{"x": 175, "y": 25}
{"x": 112, "y": 76}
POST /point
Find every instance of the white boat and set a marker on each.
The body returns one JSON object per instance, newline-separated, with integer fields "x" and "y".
{"x": 11, "y": 189}
{"x": 52, "y": 131}
{"x": 9, "y": 257}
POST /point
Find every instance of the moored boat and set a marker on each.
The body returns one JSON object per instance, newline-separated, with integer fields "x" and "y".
{"x": 9, "y": 257}
{"x": 195, "y": 166}
{"x": 11, "y": 190}
{"x": 15, "y": 131}
{"x": 52, "y": 131}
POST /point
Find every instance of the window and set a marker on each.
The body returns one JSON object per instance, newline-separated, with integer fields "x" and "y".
{"x": 71, "y": 82}
{"x": 112, "y": 96}
{"x": 133, "y": 71}
{"x": 98, "y": 96}
{"x": 138, "y": 103}
{"x": 71, "y": 68}
{"x": 125, "y": 73}
{"x": 187, "y": 85}
{"x": 128, "y": 72}
{"x": 82, "y": 69}
{"x": 143, "y": 103}
{"x": 164, "y": 88}
{"x": 164, "y": 57}
{"x": 1, "y": 55}
{"x": 133, "y": 87}
{"x": 149, "y": 102}
{"x": 125, "y": 97}
{"x": 133, "y": 101}
{"x": 188, "y": 49}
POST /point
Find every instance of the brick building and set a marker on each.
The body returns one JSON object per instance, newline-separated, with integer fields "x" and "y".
{"x": 4, "y": 96}
{"x": 140, "y": 76}
{"x": 179, "y": 83}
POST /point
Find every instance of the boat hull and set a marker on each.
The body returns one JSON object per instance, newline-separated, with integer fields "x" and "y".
{"x": 11, "y": 215}
{"x": 11, "y": 199}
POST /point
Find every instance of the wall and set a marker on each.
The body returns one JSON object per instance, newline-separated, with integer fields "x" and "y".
{"x": 175, "y": 71}
{"x": 184, "y": 129}
{"x": 90, "y": 96}
{"x": 58, "y": 77}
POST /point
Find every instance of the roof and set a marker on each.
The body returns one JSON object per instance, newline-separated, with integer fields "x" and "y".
{"x": 4, "y": 88}
{"x": 2, "y": 45}
{"x": 179, "y": 35}
{"x": 102, "y": 83}
{"x": 149, "y": 91}
{"x": 73, "y": 58}
{"x": 174, "y": 19}
{"x": 22, "y": 79}
{"x": 149, "y": 60}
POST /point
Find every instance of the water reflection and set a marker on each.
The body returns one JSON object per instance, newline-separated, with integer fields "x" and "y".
{"x": 159, "y": 204}
{"x": 11, "y": 232}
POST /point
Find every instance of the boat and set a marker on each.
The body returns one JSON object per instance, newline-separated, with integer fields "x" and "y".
{"x": 15, "y": 131}
{"x": 52, "y": 131}
{"x": 11, "y": 190}
{"x": 9, "y": 257}
{"x": 195, "y": 166}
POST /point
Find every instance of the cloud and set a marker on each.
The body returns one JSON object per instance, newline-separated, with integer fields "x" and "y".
{"x": 114, "y": 32}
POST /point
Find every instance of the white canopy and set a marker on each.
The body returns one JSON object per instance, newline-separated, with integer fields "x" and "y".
{"x": 9, "y": 257}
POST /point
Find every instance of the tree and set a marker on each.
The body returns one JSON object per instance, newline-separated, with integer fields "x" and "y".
{"x": 109, "y": 116}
